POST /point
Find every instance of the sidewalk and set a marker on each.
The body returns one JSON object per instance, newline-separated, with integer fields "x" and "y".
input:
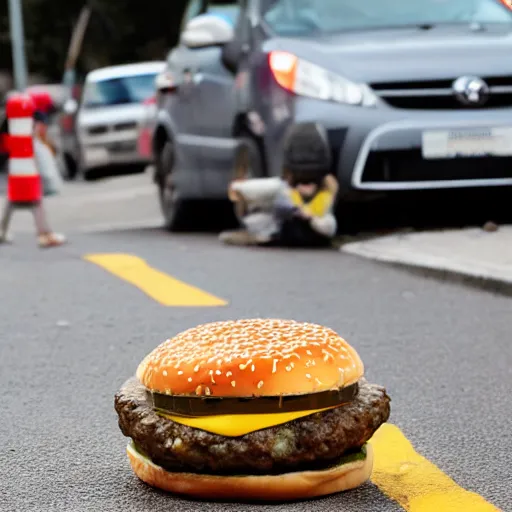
{"x": 473, "y": 255}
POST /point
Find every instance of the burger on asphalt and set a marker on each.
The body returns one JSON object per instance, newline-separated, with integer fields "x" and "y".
{"x": 256, "y": 409}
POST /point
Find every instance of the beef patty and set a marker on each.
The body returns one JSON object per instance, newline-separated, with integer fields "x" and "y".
{"x": 315, "y": 441}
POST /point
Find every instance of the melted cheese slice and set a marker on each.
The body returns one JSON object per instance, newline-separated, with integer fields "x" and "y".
{"x": 234, "y": 425}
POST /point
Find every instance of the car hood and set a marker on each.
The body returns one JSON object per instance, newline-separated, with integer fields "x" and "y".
{"x": 111, "y": 115}
{"x": 408, "y": 54}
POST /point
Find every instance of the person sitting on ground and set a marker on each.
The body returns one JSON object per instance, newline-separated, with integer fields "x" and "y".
{"x": 295, "y": 210}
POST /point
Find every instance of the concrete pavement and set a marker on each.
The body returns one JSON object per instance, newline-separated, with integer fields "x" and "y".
{"x": 472, "y": 255}
{"x": 114, "y": 202}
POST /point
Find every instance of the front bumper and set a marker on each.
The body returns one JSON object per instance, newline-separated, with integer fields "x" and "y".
{"x": 96, "y": 156}
{"x": 380, "y": 149}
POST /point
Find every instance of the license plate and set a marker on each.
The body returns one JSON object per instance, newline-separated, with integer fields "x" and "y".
{"x": 120, "y": 147}
{"x": 467, "y": 143}
{"x": 94, "y": 155}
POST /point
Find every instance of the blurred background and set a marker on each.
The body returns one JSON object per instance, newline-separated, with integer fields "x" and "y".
{"x": 136, "y": 31}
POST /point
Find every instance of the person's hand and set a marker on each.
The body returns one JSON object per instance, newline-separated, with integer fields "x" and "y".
{"x": 233, "y": 194}
{"x": 303, "y": 214}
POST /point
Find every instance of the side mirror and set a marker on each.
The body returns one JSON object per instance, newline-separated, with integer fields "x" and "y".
{"x": 70, "y": 107}
{"x": 207, "y": 30}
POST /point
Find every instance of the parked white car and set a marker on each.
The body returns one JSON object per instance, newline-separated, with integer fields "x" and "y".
{"x": 109, "y": 116}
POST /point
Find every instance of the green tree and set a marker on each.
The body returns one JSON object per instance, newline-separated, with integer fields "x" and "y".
{"x": 119, "y": 31}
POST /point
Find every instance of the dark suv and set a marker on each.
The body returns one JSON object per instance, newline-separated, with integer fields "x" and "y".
{"x": 414, "y": 95}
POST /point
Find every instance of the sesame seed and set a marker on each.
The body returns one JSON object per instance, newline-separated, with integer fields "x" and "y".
{"x": 233, "y": 383}
{"x": 292, "y": 365}
{"x": 219, "y": 362}
{"x": 260, "y": 384}
{"x": 274, "y": 367}
{"x": 288, "y": 368}
{"x": 253, "y": 368}
{"x": 199, "y": 390}
{"x": 229, "y": 374}
{"x": 318, "y": 380}
{"x": 218, "y": 372}
{"x": 196, "y": 369}
{"x": 190, "y": 379}
{"x": 180, "y": 373}
{"x": 309, "y": 353}
{"x": 207, "y": 391}
{"x": 308, "y": 375}
{"x": 211, "y": 377}
{"x": 164, "y": 373}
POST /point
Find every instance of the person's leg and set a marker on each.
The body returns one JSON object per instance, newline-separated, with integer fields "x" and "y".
{"x": 5, "y": 221}
{"x": 45, "y": 235}
{"x": 298, "y": 232}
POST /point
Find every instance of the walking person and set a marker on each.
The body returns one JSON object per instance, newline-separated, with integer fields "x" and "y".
{"x": 42, "y": 159}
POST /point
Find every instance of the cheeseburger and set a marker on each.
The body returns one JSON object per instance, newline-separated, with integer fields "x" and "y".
{"x": 252, "y": 410}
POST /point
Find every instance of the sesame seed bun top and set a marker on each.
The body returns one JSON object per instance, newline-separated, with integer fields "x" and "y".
{"x": 253, "y": 357}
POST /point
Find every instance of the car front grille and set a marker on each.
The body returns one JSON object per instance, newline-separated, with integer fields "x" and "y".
{"x": 98, "y": 130}
{"x": 409, "y": 166}
{"x": 438, "y": 94}
{"x": 121, "y": 146}
{"x": 125, "y": 126}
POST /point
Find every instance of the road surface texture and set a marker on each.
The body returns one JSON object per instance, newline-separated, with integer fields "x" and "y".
{"x": 76, "y": 322}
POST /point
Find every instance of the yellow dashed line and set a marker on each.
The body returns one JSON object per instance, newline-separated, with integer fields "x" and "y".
{"x": 161, "y": 287}
{"x": 415, "y": 483}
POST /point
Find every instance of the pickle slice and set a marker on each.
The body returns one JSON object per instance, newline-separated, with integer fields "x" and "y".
{"x": 181, "y": 405}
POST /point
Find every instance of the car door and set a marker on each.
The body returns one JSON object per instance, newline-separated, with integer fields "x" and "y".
{"x": 216, "y": 102}
{"x": 177, "y": 93}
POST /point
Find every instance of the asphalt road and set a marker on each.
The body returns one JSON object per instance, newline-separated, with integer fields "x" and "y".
{"x": 73, "y": 333}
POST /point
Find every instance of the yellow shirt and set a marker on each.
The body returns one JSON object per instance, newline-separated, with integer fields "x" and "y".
{"x": 319, "y": 206}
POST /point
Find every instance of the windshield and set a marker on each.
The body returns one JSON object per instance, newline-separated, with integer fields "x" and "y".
{"x": 304, "y": 17}
{"x": 119, "y": 91}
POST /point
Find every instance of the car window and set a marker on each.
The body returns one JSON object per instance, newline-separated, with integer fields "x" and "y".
{"x": 230, "y": 11}
{"x": 194, "y": 8}
{"x": 291, "y": 17}
{"x": 119, "y": 91}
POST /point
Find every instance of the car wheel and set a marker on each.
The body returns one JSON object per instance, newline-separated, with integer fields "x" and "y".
{"x": 175, "y": 210}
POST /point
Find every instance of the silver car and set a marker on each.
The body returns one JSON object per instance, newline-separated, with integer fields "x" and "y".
{"x": 109, "y": 116}
{"x": 415, "y": 96}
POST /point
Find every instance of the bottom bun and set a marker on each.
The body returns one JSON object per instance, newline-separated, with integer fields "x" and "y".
{"x": 287, "y": 486}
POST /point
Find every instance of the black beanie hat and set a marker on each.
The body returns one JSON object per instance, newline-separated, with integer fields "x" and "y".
{"x": 307, "y": 155}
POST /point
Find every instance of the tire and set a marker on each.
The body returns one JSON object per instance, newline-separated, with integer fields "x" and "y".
{"x": 176, "y": 211}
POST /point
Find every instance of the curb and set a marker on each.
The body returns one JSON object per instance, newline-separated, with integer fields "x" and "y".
{"x": 486, "y": 283}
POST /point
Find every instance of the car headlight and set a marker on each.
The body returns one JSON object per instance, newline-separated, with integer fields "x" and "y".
{"x": 306, "y": 79}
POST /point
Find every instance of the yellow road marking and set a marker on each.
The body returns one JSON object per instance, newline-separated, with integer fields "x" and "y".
{"x": 415, "y": 483}
{"x": 161, "y": 287}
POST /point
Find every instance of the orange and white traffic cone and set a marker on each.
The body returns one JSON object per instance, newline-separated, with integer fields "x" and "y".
{"x": 24, "y": 187}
